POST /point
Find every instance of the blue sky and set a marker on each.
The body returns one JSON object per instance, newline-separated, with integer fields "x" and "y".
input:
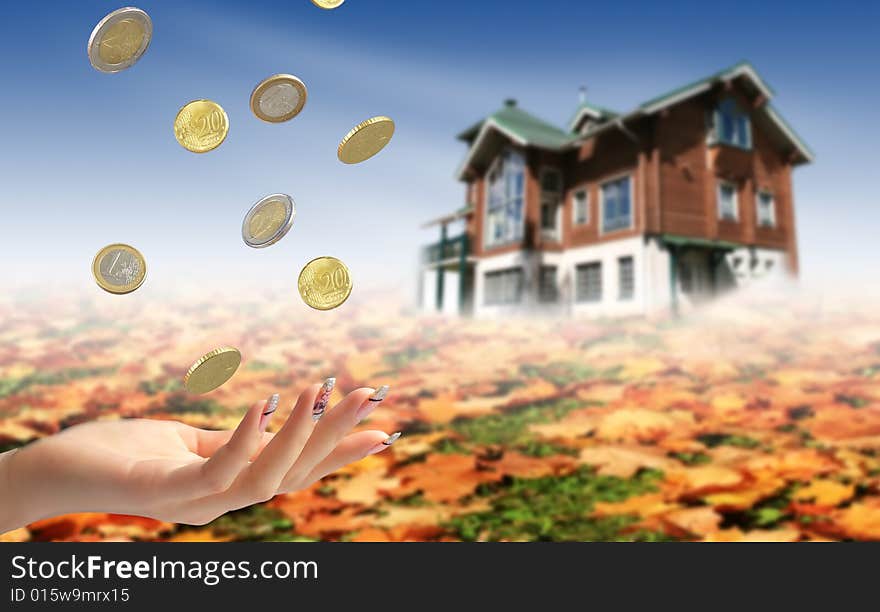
{"x": 87, "y": 158}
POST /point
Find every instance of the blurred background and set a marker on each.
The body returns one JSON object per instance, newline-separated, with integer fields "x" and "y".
{"x": 90, "y": 158}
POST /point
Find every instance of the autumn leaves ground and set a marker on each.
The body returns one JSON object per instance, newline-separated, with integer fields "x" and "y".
{"x": 751, "y": 421}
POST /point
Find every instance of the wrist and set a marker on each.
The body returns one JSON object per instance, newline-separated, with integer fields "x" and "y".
{"x": 17, "y": 507}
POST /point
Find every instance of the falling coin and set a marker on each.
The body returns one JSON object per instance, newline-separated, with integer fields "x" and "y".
{"x": 324, "y": 283}
{"x": 201, "y": 126}
{"x": 268, "y": 221}
{"x": 119, "y": 268}
{"x": 120, "y": 39}
{"x": 328, "y": 4}
{"x": 365, "y": 140}
{"x": 279, "y": 98}
{"x": 212, "y": 370}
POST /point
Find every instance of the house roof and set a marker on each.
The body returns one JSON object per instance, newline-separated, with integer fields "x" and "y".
{"x": 527, "y": 130}
{"x": 519, "y": 126}
{"x": 598, "y": 113}
{"x": 524, "y": 126}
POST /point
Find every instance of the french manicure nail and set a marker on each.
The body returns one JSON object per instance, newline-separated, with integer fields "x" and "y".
{"x": 269, "y": 409}
{"x": 385, "y": 443}
{"x": 372, "y": 402}
{"x": 323, "y": 397}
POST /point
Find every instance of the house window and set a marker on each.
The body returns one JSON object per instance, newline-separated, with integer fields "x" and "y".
{"x": 616, "y": 205}
{"x": 732, "y": 126}
{"x": 503, "y": 287}
{"x": 728, "y": 207}
{"x": 547, "y": 290}
{"x": 626, "y": 278}
{"x": 581, "y": 208}
{"x": 504, "y": 210}
{"x": 766, "y": 209}
{"x": 588, "y": 282}
{"x": 548, "y": 216}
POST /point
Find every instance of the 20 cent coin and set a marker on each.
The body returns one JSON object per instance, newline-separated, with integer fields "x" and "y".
{"x": 324, "y": 283}
{"x": 201, "y": 126}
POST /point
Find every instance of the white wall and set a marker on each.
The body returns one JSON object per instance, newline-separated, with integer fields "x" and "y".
{"x": 566, "y": 262}
{"x": 450, "y": 291}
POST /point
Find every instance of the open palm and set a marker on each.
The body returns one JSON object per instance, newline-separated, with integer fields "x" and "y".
{"x": 171, "y": 471}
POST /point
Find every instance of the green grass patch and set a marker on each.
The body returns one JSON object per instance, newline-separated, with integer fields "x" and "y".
{"x": 154, "y": 387}
{"x": 562, "y": 373}
{"x": 256, "y": 524}
{"x": 721, "y": 439}
{"x": 400, "y": 359}
{"x": 413, "y": 500}
{"x": 853, "y": 401}
{"x": 14, "y": 386}
{"x": 557, "y": 508}
{"x": 510, "y": 427}
{"x": 697, "y": 458}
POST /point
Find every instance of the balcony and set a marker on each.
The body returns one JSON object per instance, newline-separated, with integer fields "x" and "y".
{"x": 445, "y": 252}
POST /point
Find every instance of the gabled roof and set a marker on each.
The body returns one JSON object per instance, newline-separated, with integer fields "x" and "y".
{"x": 519, "y": 126}
{"x": 522, "y": 126}
{"x": 585, "y": 109}
{"x": 742, "y": 69}
{"x": 527, "y": 130}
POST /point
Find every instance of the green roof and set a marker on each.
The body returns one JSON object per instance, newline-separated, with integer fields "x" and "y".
{"x": 706, "y": 80}
{"x": 525, "y": 127}
{"x": 687, "y": 241}
{"x": 604, "y": 113}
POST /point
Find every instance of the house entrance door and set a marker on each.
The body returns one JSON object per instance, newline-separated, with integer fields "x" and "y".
{"x": 695, "y": 276}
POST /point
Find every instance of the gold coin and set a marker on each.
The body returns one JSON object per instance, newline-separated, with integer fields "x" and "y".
{"x": 279, "y": 98}
{"x": 365, "y": 140}
{"x": 119, "y": 268}
{"x": 201, "y": 126}
{"x": 324, "y": 283}
{"x": 120, "y": 39}
{"x": 212, "y": 370}
{"x": 328, "y": 4}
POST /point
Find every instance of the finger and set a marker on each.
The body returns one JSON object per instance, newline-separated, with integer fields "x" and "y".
{"x": 262, "y": 478}
{"x": 353, "y": 447}
{"x": 329, "y": 431}
{"x": 201, "y": 478}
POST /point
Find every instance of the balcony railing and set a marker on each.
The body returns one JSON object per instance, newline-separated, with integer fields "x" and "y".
{"x": 453, "y": 248}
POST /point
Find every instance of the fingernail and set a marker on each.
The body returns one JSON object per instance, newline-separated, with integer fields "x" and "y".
{"x": 323, "y": 397}
{"x": 268, "y": 411}
{"x": 385, "y": 443}
{"x": 370, "y": 405}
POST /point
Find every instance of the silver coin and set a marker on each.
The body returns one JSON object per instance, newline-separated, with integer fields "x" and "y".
{"x": 120, "y": 39}
{"x": 119, "y": 267}
{"x": 279, "y": 100}
{"x": 268, "y": 221}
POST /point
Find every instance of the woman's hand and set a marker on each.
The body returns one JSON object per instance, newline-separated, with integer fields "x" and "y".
{"x": 177, "y": 473}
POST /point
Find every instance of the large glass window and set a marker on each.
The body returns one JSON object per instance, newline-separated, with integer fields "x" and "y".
{"x": 547, "y": 289}
{"x": 504, "y": 210}
{"x": 766, "y": 209}
{"x": 581, "y": 207}
{"x": 728, "y": 207}
{"x": 616, "y": 205}
{"x": 626, "y": 278}
{"x": 732, "y": 125}
{"x": 503, "y": 287}
{"x": 588, "y": 282}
